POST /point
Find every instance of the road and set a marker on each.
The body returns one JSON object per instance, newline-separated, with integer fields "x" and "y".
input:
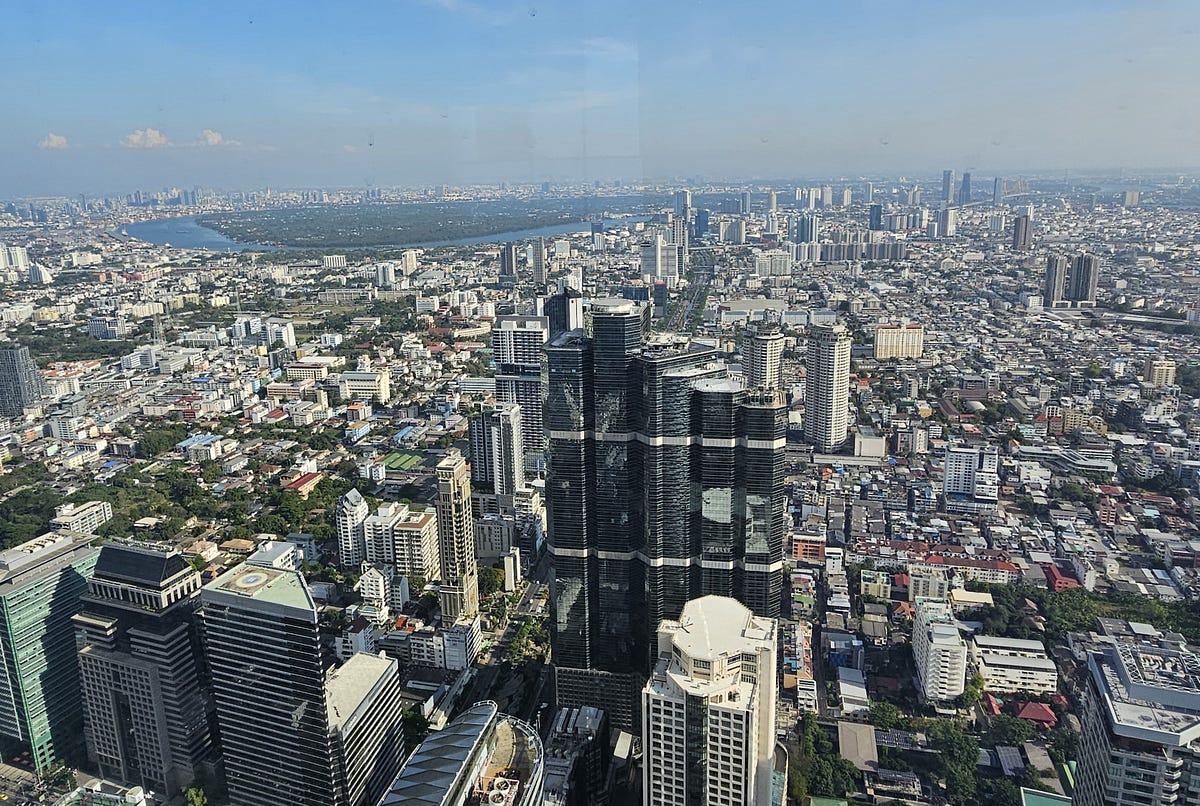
{"x": 488, "y": 667}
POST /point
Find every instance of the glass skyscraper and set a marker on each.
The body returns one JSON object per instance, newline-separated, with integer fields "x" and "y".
{"x": 665, "y": 482}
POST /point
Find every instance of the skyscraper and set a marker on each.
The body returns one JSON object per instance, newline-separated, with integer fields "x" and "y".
{"x": 808, "y": 228}
{"x": 679, "y": 237}
{"x": 21, "y": 384}
{"x": 1082, "y": 280}
{"x": 664, "y": 483}
{"x": 517, "y": 343}
{"x": 868, "y": 192}
{"x": 997, "y": 191}
{"x": 1056, "y": 281}
{"x": 563, "y": 311}
{"x": 827, "y": 387}
{"x": 497, "y": 453}
{"x": 745, "y": 205}
{"x": 875, "y": 217}
{"x": 964, "y": 192}
{"x": 948, "y": 186}
{"x": 352, "y": 511}
{"x": 40, "y": 585}
{"x": 456, "y": 539}
{"x": 683, "y": 203}
{"x": 539, "y": 261}
{"x": 145, "y": 716}
{"x": 949, "y": 222}
{"x": 508, "y": 264}
{"x": 708, "y": 710}
{"x": 264, "y": 653}
{"x": 660, "y": 259}
{"x": 762, "y": 356}
{"x": 1022, "y": 239}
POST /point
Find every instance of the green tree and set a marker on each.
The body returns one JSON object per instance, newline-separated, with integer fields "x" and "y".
{"x": 885, "y": 715}
{"x": 195, "y": 796}
{"x": 491, "y": 580}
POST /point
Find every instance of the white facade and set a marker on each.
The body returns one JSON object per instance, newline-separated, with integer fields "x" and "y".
{"x": 972, "y": 472}
{"x": 827, "y": 389}
{"x": 352, "y": 511}
{"x": 762, "y": 358}
{"x": 1012, "y": 665}
{"x": 939, "y": 652}
{"x": 899, "y": 341}
{"x": 715, "y": 679}
{"x": 86, "y": 518}
{"x": 403, "y": 539}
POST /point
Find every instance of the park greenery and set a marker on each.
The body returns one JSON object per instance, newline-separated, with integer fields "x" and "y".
{"x": 814, "y": 769}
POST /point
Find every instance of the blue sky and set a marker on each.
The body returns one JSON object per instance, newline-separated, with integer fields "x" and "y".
{"x": 115, "y": 96}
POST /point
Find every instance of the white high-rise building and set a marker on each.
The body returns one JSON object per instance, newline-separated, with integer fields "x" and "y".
{"x": 517, "y": 343}
{"x": 14, "y": 258}
{"x": 660, "y": 260}
{"x": 708, "y": 710}
{"x": 538, "y": 261}
{"x": 762, "y": 356}
{"x": 403, "y": 538}
{"x": 827, "y": 388}
{"x": 497, "y": 450}
{"x": 351, "y": 512}
{"x": 971, "y": 471}
{"x": 939, "y": 652}
{"x": 899, "y": 341}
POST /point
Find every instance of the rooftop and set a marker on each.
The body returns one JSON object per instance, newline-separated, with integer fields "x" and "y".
{"x": 268, "y": 585}
{"x": 712, "y": 626}
{"x": 351, "y": 685}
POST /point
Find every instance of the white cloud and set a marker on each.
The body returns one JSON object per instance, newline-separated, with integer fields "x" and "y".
{"x": 53, "y": 141}
{"x": 145, "y": 138}
{"x": 210, "y": 137}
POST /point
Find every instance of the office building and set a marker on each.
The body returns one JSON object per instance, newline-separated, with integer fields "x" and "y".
{"x": 508, "y": 265}
{"x": 939, "y": 652}
{"x": 1140, "y": 737}
{"x": 660, "y": 260}
{"x": 517, "y": 343}
{"x": 108, "y": 328}
{"x": 1082, "y": 279}
{"x": 1022, "y": 234}
{"x": 808, "y": 229}
{"x": 683, "y": 203}
{"x": 997, "y": 191}
{"x": 1056, "y": 281}
{"x": 351, "y": 513}
{"x": 563, "y": 311}
{"x": 497, "y": 451}
{"x": 538, "y": 261}
{"x": 1159, "y": 372}
{"x": 362, "y": 699}
{"x": 745, "y": 205}
{"x": 665, "y": 484}
{"x": 482, "y": 756}
{"x": 456, "y": 539}
{"x": 264, "y": 656}
{"x": 762, "y": 356}
{"x": 1014, "y": 665}
{"x": 41, "y": 582}
{"x": 708, "y": 709}
{"x": 964, "y": 192}
{"x": 875, "y": 217}
{"x": 948, "y": 186}
{"x": 899, "y": 341}
{"x": 21, "y": 385}
{"x": 827, "y": 387}
{"x": 144, "y": 703}
{"x": 577, "y": 758}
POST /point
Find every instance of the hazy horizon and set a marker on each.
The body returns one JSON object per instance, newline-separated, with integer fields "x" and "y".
{"x": 409, "y": 94}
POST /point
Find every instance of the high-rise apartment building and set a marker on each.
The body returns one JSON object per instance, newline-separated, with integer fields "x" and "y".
{"x": 1140, "y": 737}
{"x": 827, "y": 387}
{"x": 1159, "y": 372}
{"x": 875, "y": 217}
{"x": 145, "y": 713}
{"x": 1022, "y": 234}
{"x": 1082, "y": 280}
{"x": 683, "y": 203}
{"x": 997, "y": 191}
{"x": 497, "y": 450}
{"x": 664, "y": 484}
{"x": 403, "y": 538}
{"x": 21, "y": 385}
{"x": 808, "y": 229}
{"x": 563, "y": 311}
{"x": 508, "y": 264}
{"x": 538, "y": 261}
{"x": 762, "y": 356}
{"x": 971, "y": 471}
{"x": 456, "y": 539}
{"x": 679, "y": 238}
{"x": 660, "y": 259}
{"x": 899, "y": 341}
{"x": 41, "y": 582}
{"x": 1056, "y": 281}
{"x": 517, "y": 343}
{"x": 948, "y": 186}
{"x": 948, "y": 223}
{"x": 708, "y": 709}
{"x": 939, "y": 652}
{"x": 352, "y": 512}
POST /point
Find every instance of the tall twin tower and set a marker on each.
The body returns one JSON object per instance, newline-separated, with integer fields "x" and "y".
{"x": 665, "y": 483}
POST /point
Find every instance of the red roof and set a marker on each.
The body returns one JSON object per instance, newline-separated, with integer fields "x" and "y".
{"x": 1037, "y": 712}
{"x": 900, "y": 580}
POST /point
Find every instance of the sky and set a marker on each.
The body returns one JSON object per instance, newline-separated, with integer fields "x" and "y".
{"x": 112, "y": 97}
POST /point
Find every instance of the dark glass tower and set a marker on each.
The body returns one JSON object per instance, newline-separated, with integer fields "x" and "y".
{"x": 665, "y": 483}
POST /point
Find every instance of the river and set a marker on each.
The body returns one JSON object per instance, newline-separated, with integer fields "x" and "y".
{"x": 186, "y": 233}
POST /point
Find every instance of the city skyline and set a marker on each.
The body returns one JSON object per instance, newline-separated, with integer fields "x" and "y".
{"x": 512, "y": 92}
